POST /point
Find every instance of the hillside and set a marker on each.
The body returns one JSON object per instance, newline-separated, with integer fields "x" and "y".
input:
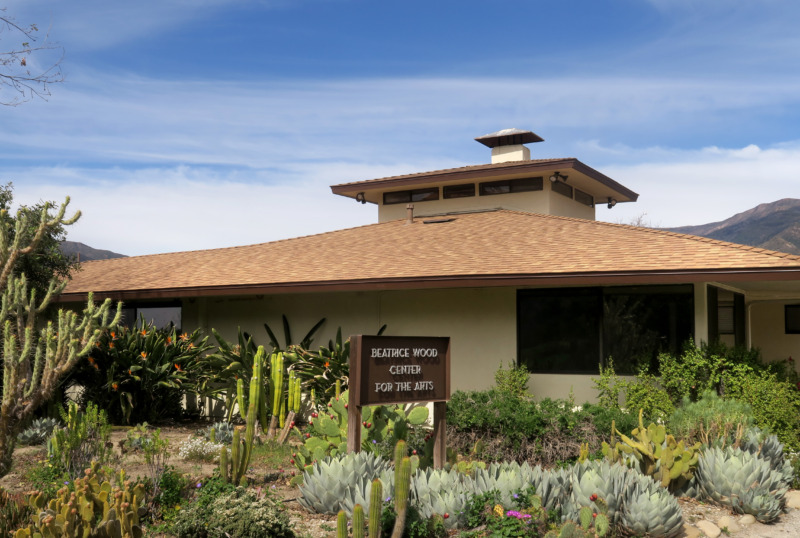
{"x": 86, "y": 253}
{"x": 774, "y": 226}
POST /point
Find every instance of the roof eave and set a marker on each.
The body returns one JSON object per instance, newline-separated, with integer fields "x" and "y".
{"x": 455, "y": 281}
{"x": 350, "y": 190}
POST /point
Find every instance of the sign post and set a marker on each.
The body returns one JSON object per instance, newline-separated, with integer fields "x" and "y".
{"x": 399, "y": 369}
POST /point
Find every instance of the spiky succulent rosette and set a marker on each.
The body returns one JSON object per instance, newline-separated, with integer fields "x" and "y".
{"x": 553, "y": 486}
{"x": 598, "y": 478}
{"x": 442, "y": 492}
{"x": 768, "y": 447}
{"x": 649, "y": 509}
{"x": 744, "y": 481}
{"x": 339, "y": 482}
{"x": 507, "y": 478}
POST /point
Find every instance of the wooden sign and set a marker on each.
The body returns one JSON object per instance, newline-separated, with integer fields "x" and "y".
{"x": 399, "y": 369}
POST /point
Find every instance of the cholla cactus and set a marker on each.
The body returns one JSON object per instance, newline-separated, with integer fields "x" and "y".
{"x": 35, "y": 361}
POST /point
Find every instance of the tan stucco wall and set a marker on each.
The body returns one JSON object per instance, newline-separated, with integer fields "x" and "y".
{"x": 767, "y": 331}
{"x": 566, "y": 207}
{"x": 481, "y": 323}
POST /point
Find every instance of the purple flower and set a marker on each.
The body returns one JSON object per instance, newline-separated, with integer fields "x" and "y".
{"x": 516, "y": 496}
{"x": 374, "y": 442}
{"x": 199, "y": 485}
{"x": 66, "y": 482}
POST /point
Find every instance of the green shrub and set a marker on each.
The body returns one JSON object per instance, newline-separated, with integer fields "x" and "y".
{"x": 513, "y": 380}
{"x": 141, "y": 373}
{"x": 775, "y": 403}
{"x": 644, "y": 391}
{"x": 240, "y": 513}
{"x": 711, "y": 420}
{"x": 515, "y": 428}
{"x": 603, "y": 417}
{"x": 82, "y": 440}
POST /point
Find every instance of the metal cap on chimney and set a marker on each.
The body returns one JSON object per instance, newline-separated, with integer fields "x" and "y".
{"x": 507, "y": 145}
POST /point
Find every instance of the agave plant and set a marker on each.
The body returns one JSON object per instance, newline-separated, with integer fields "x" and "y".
{"x": 744, "y": 481}
{"x": 593, "y": 479}
{"x": 768, "y": 447}
{"x": 442, "y": 492}
{"x": 223, "y": 433}
{"x": 507, "y": 478}
{"x": 553, "y": 486}
{"x": 38, "y": 432}
{"x": 338, "y": 482}
{"x": 650, "y": 509}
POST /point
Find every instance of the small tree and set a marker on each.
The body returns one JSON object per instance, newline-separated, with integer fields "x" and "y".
{"x": 35, "y": 359}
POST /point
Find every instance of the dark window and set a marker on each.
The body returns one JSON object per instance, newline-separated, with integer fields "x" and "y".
{"x": 161, "y": 314}
{"x": 726, "y": 314}
{"x": 792, "y": 313}
{"x": 459, "y": 191}
{"x": 571, "y": 330}
{"x": 416, "y": 195}
{"x": 584, "y": 198}
{"x": 563, "y": 189}
{"x": 525, "y": 184}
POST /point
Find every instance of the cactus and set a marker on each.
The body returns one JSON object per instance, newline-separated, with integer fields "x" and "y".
{"x": 276, "y": 373}
{"x": 341, "y": 525}
{"x": 658, "y": 455}
{"x": 380, "y": 424}
{"x": 358, "y": 521}
{"x": 402, "y": 485}
{"x": 375, "y": 508}
{"x": 293, "y": 398}
{"x": 241, "y": 450}
{"x": 117, "y": 510}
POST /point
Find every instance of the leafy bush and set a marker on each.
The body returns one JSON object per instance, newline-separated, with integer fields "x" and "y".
{"x": 142, "y": 373}
{"x": 711, "y": 420}
{"x": 514, "y": 428}
{"x": 82, "y": 440}
{"x": 603, "y": 417}
{"x": 775, "y": 403}
{"x": 644, "y": 392}
{"x": 240, "y": 513}
{"x": 514, "y": 380}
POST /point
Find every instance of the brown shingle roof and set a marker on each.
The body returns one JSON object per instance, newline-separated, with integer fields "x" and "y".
{"x": 484, "y": 248}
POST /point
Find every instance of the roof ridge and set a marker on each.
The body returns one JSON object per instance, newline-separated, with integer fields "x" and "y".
{"x": 660, "y": 231}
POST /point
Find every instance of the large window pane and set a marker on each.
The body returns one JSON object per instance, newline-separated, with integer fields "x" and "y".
{"x": 559, "y": 330}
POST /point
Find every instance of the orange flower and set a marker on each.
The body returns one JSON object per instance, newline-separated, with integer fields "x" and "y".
{"x": 91, "y": 359}
{"x": 96, "y": 367}
{"x": 129, "y": 372}
{"x": 169, "y": 340}
{"x": 144, "y": 355}
{"x": 185, "y": 336}
{"x": 115, "y": 386}
{"x": 327, "y": 364}
{"x": 111, "y": 345}
{"x": 191, "y": 346}
{"x": 143, "y": 332}
{"x": 113, "y": 334}
{"x": 178, "y": 367}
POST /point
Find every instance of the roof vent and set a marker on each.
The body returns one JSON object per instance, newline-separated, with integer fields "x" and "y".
{"x": 507, "y": 145}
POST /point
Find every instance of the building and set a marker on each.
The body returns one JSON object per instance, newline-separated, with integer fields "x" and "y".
{"x": 505, "y": 258}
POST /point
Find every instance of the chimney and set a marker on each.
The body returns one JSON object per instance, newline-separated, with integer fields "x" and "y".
{"x": 410, "y": 214}
{"x": 507, "y": 145}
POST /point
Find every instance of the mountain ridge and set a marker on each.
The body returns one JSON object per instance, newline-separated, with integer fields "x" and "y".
{"x": 773, "y": 226}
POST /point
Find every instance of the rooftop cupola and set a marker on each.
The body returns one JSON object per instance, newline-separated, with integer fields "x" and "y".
{"x": 508, "y": 145}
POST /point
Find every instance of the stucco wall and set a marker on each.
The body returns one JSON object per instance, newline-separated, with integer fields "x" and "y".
{"x": 481, "y": 323}
{"x": 767, "y": 332}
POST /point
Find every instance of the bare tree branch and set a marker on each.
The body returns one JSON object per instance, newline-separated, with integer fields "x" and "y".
{"x": 30, "y": 66}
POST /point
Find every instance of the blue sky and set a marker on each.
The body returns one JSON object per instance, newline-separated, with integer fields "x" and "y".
{"x": 189, "y": 124}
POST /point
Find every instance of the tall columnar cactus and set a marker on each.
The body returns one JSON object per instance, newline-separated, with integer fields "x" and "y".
{"x": 375, "y": 508}
{"x": 293, "y": 398}
{"x": 36, "y": 360}
{"x": 358, "y": 521}
{"x": 242, "y": 449}
{"x": 402, "y": 484}
{"x": 276, "y": 373}
{"x": 341, "y": 525}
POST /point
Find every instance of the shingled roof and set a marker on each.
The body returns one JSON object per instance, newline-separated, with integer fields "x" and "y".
{"x": 490, "y": 248}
